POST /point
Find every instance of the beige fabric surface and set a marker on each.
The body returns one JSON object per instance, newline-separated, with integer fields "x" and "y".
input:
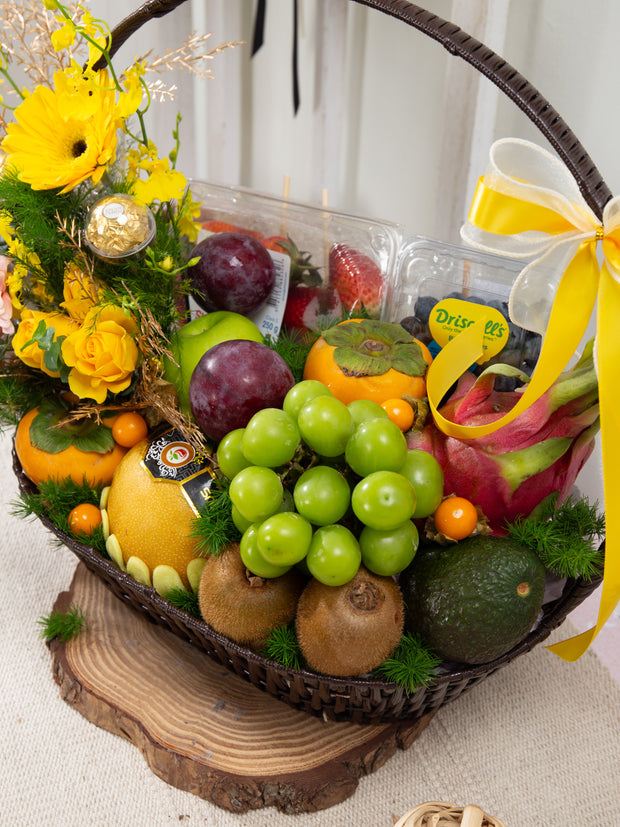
{"x": 537, "y": 744}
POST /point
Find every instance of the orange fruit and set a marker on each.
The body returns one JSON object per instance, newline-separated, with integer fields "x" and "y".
{"x": 400, "y": 412}
{"x": 151, "y": 519}
{"x": 84, "y": 518}
{"x": 456, "y": 517}
{"x": 129, "y": 428}
{"x": 321, "y": 365}
{"x": 40, "y": 465}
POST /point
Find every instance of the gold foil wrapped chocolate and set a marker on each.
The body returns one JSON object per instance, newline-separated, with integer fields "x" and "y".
{"x": 119, "y": 226}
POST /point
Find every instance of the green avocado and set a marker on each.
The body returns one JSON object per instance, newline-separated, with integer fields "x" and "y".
{"x": 473, "y": 601}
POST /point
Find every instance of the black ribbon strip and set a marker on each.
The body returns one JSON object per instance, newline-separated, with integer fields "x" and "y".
{"x": 259, "y": 26}
{"x": 295, "y": 59}
{"x": 258, "y": 39}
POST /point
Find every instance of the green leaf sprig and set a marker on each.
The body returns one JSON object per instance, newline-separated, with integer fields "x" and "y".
{"x": 64, "y": 625}
{"x": 294, "y": 351}
{"x": 56, "y": 499}
{"x": 411, "y": 666}
{"x": 186, "y": 601}
{"x": 282, "y": 646}
{"x": 566, "y": 539}
{"x": 214, "y": 528}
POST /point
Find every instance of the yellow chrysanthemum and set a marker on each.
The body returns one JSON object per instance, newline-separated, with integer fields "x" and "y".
{"x": 65, "y": 136}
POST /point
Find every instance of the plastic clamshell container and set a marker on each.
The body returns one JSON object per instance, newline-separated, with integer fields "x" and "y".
{"x": 314, "y": 229}
{"x": 428, "y": 271}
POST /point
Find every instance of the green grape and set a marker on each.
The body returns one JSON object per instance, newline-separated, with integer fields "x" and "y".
{"x": 376, "y": 445}
{"x": 284, "y": 538}
{"x": 325, "y": 425}
{"x": 426, "y": 475}
{"x": 271, "y": 438}
{"x": 301, "y": 393}
{"x": 364, "y": 409}
{"x": 334, "y": 555}
{"x": 322, "y": 495}
{"x": 256, "y": 492}
{"x": 253, "y": 559}
{"x": 229, "y": 455}
{"x": 383, "y": 500}
{"x": 241, "y": 524}
{"x": 389, "y": 552}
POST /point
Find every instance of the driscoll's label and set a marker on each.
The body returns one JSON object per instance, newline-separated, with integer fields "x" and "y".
{"x": 170, "y": 457}
{"x": 450, "y": 317}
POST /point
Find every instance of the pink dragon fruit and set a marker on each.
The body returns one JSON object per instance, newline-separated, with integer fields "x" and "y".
{"x": 510, "y": 471}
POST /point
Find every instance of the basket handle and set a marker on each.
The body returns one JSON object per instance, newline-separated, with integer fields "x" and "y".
{"x": 514, "y": 85}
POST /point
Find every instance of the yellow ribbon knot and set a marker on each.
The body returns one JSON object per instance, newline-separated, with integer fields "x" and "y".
{"x": 528, "y": 206}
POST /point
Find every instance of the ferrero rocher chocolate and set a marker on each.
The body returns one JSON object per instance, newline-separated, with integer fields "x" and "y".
{"x": 119, "y": 226}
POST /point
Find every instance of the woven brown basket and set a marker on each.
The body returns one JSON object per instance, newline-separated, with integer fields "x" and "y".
{"x": 361, "y": 700}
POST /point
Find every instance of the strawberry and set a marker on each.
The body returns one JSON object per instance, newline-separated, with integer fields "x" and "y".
{"x": 357, "y": 278}
{"x": 302, "y": 270}
{"x": 311, "y": 308}
{"x": 215, "y": 226}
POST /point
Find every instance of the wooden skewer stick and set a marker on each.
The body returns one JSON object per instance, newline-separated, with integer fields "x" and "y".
{"x": 286, "y": 187}
{"x": 326, "y": 242}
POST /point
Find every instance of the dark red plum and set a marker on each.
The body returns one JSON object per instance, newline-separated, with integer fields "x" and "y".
{"x": 235, "y": 272}
{"x": 234, "y": 380}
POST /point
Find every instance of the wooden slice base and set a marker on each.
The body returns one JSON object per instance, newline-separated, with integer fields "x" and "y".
{"x": 202, "y": 728}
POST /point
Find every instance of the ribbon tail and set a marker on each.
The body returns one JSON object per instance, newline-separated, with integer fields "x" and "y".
{"x": 295, "y": 57}
{"x": 608, "y": 359}
{"x": 450, "y": 363}
{"x": 258, "y": 37}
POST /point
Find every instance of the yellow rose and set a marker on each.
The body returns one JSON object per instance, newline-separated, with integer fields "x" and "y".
{"x": 102, "y": 353}
{"x": 79, "y": 292}
{"x": 31, "y": 354}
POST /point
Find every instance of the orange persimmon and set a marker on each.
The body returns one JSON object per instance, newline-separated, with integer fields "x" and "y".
{"x": 40, "y": 465}
{"x": 321, "y": 365}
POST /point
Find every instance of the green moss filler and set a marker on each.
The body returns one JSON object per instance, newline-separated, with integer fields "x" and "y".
{"x": 473, "y": 601}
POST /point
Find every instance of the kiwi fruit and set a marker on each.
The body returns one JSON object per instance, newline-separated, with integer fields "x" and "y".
{"x": 349, "y": 630}
{"x": 242, "y": 606}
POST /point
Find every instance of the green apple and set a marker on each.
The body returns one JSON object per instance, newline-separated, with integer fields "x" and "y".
{"x": 190, "y": 342}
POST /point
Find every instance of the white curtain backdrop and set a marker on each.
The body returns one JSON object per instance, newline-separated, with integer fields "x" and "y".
{"x": 389, "y": 124}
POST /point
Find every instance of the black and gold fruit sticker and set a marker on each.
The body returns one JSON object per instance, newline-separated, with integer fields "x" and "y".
{"x": 170, "y": 457}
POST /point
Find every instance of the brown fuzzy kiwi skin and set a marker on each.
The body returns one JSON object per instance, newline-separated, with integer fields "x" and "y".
{"x": 242, "y": 606}
{"x": 349, "y": 630}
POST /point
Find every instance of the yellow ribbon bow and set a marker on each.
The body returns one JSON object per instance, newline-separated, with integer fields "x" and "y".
{"x": 528, "y": 205}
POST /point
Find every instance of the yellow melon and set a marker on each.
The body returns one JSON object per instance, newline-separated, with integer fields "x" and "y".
{"x": 150, "y": 519}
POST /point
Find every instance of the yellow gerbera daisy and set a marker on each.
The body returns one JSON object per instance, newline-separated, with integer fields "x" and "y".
{"x": 63, "y": 136}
